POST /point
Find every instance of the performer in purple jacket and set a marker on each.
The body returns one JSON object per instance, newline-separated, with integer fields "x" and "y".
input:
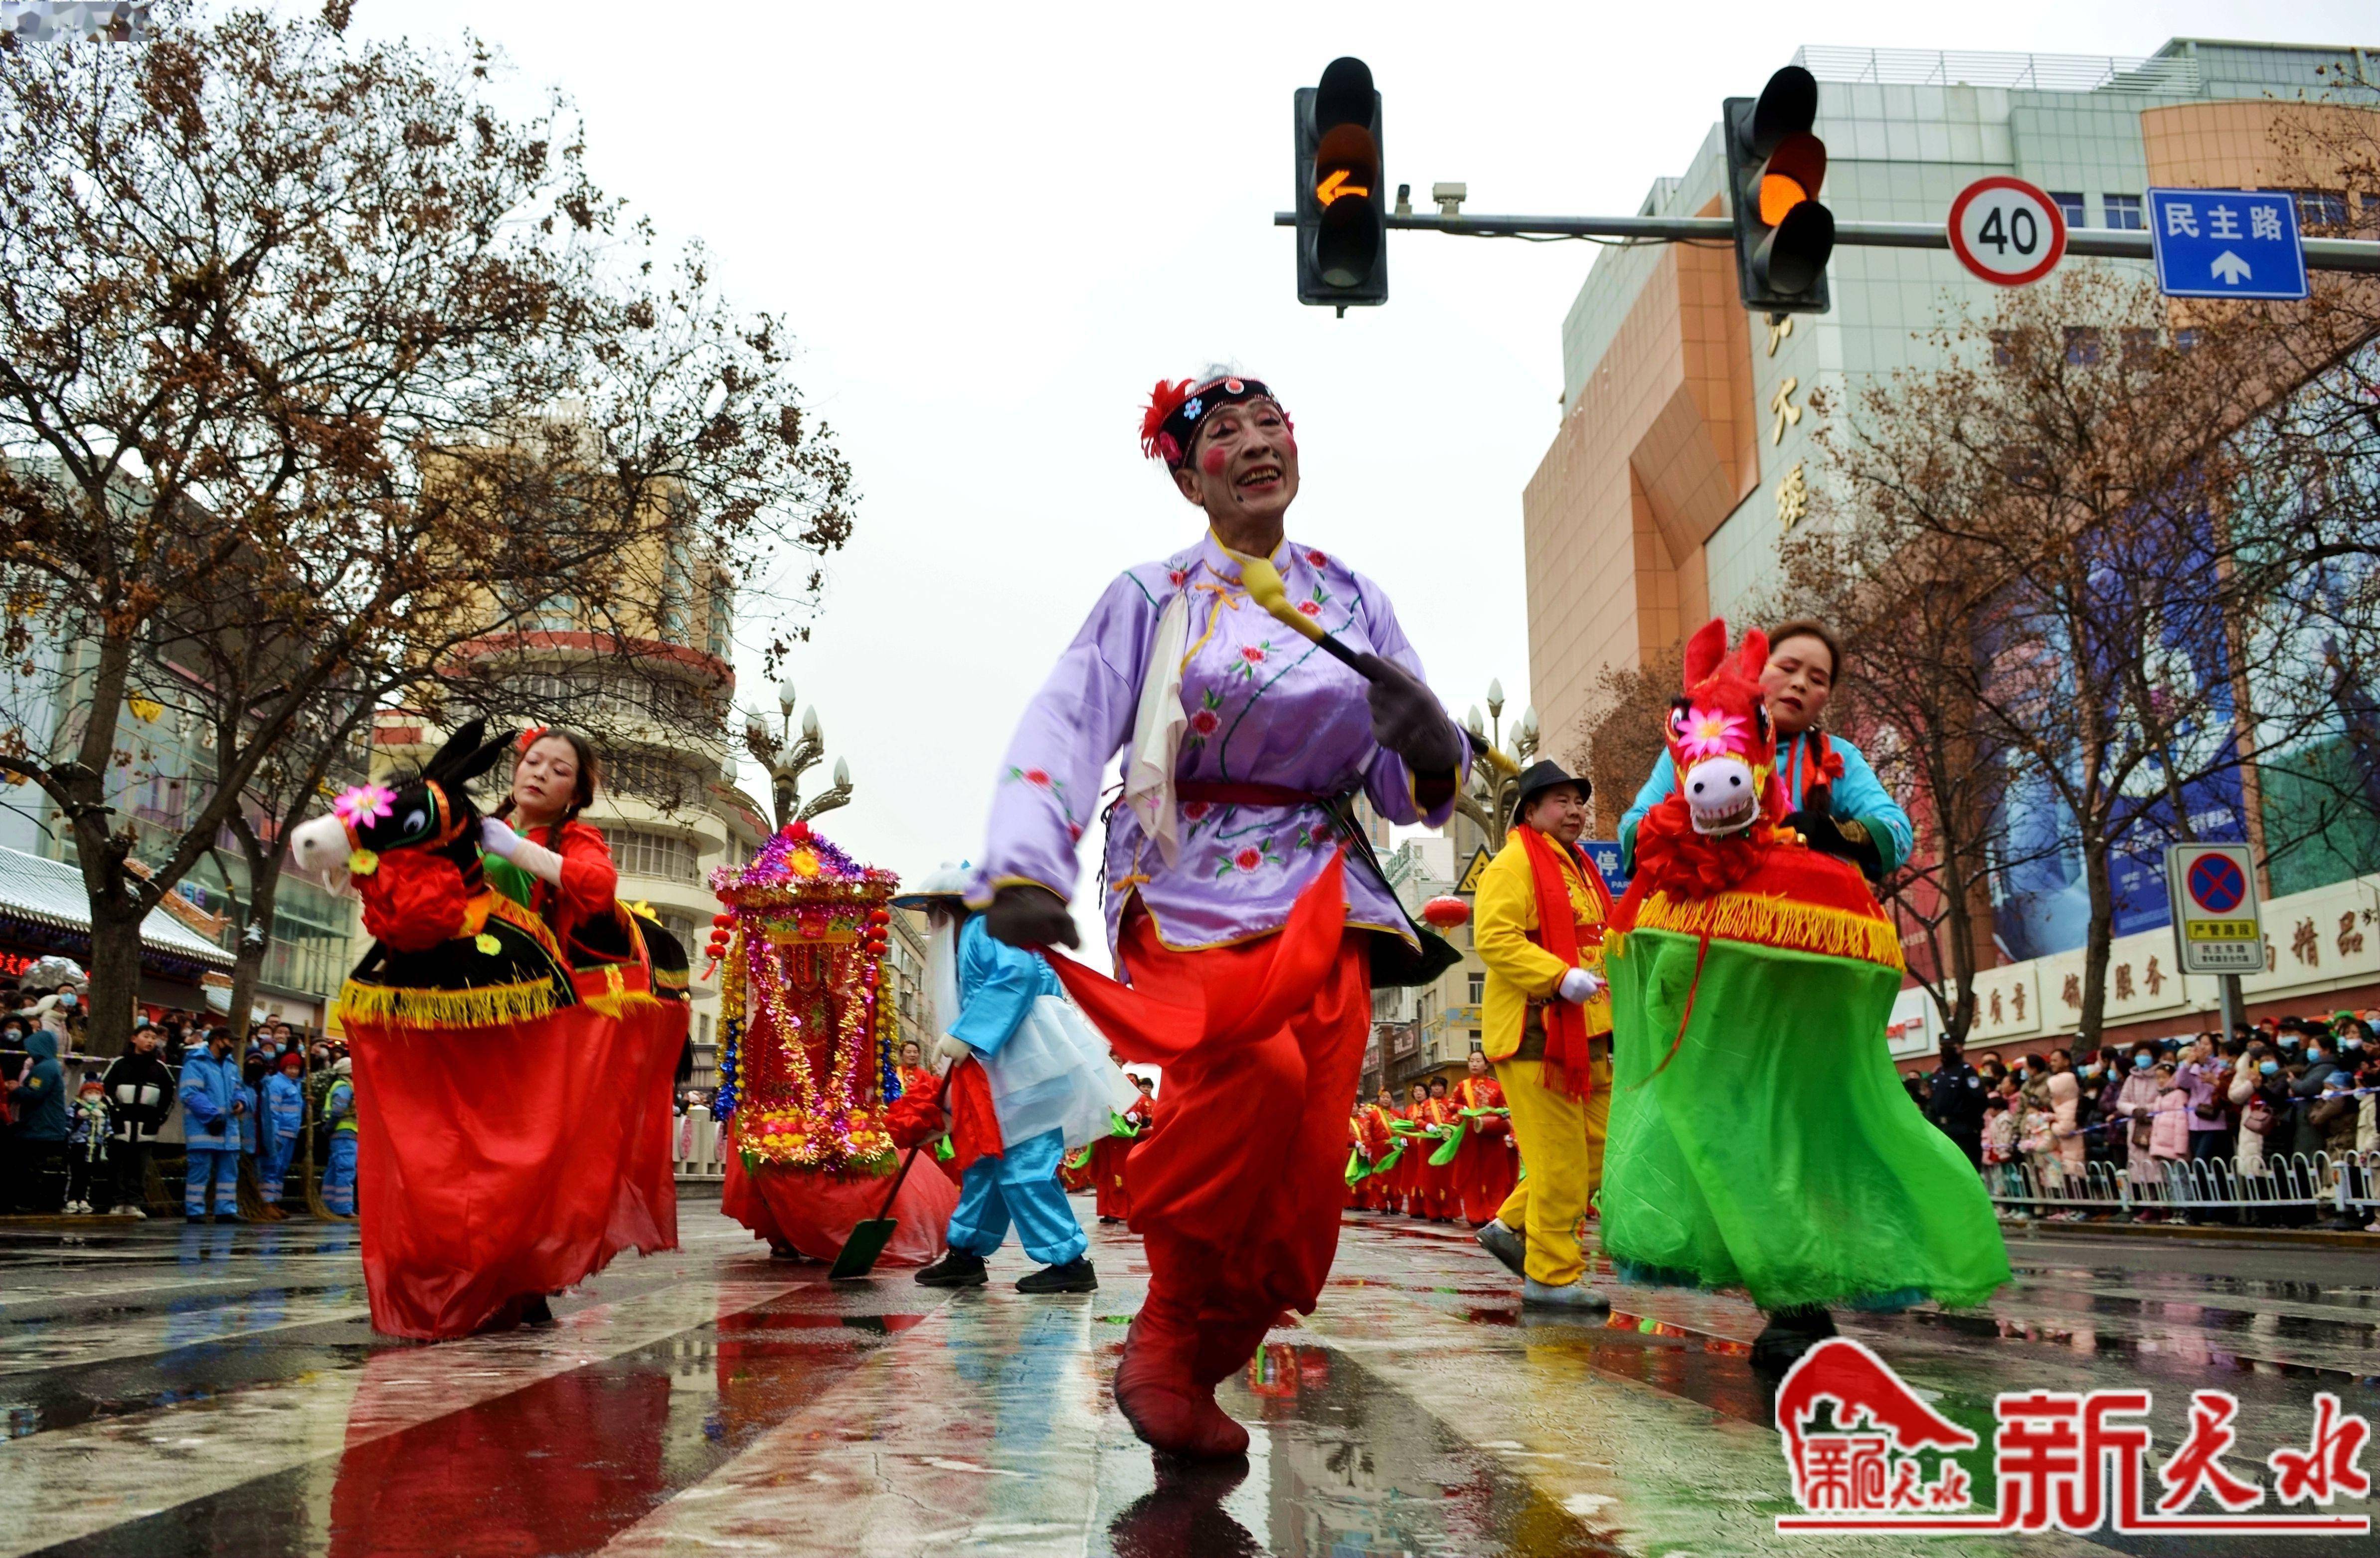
{"x": 1248, "y": 947}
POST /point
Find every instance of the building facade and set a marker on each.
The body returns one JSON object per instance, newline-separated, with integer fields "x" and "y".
{"x": 1430, "y": 1029}
{"x": 1688, "y": 445}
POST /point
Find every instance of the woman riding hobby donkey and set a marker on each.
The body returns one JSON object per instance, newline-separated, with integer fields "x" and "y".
{"x": 1760, "y": 1138}
{"x": 476, "y": 1202}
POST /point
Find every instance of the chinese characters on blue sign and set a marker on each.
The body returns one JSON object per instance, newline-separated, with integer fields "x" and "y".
{"x": 1605, "y": 853}
{"x": 2226, "y": 243}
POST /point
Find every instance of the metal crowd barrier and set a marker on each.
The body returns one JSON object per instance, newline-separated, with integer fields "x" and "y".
{"x": 2347, "y": 1185}
{"x": 695, "y": 1140}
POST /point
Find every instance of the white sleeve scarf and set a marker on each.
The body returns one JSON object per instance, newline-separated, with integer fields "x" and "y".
{"x": 1157, "y": 732}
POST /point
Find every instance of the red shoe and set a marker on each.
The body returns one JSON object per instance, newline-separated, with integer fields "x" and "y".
{"x": 1225, "y": 1346}
{"x": 1166, "y": 1408}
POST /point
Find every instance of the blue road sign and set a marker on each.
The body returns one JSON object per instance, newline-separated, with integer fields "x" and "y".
{"x": 2226, "y": 243}
{"x": 1605, "y": 853}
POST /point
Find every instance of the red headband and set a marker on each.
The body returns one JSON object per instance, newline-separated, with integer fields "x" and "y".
{"x": 533, "y": 734}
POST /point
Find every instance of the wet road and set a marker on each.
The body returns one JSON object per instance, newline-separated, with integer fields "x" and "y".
{"x": 170, "y": 1389}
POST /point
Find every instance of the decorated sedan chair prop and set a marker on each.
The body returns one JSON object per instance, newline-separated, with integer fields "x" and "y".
{"x": 1760, "y": 1137}
{"x": 809, "y": 1080}
{"x": 512, "y": 1093}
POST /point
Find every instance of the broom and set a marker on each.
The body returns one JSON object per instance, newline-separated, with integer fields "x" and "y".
{"x": 868, "y": 1239}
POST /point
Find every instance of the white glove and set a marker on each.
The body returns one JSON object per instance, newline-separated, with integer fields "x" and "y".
{"x": 497, "y": 837}
{"x": 952, "y": 1050}
{"x": 1580, "y": 986}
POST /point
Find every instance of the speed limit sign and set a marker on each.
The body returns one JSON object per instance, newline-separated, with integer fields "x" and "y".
{"x": 2006, "y": 231}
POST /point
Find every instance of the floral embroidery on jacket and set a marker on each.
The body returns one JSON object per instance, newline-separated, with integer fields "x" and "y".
{"x": 1206, "y": 719}
{"x": 1248, "y": 858}
{"x": 1040, "y": 779}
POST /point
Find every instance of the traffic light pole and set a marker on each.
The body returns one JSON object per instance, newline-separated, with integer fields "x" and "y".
{"x": 2360, "y": 255}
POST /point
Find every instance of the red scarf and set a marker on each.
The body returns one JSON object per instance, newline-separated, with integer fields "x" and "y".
{"x": 1566, "y": 1046}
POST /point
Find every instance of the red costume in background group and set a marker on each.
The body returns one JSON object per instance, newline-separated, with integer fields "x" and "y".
{"x": 1487, "y": 1166}
{"x": 1376, "y": 1190}
{"x": 1109, "y": 1156}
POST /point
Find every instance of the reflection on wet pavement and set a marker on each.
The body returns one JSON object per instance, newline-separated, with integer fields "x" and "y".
{"x": 217, "y": 1391}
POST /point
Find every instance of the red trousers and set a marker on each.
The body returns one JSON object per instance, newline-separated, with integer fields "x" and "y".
{"x": 1237, "y": 1199}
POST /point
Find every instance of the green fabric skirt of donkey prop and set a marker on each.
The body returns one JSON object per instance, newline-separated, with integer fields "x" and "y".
{"x": 1776, "y": 1149}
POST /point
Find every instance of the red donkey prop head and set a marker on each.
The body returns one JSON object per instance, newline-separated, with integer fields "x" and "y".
{"x": 1717, "y": 820}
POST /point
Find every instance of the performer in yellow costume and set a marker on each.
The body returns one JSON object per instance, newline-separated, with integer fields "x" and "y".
{"x": 1546, "y": 1024}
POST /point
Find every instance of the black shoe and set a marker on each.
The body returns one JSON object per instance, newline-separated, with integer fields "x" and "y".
{"x": 1505, "y": 1245}
{"x": 955, "y": 1269}
{"x": 1788, "y": 1334}
{"x": 1111, "y": 1218}
{"x": 1075, "y": 1276}
{"x": 536, "y": 1311}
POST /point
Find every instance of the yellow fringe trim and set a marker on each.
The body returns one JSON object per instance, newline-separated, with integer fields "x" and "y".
{"x": 618, "y": 1005}
{"x": 1778, "y": 922}
{"x": 493, "y": 1006}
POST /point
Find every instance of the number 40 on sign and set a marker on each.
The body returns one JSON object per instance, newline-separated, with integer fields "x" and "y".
{"x": 2006, "y": 231}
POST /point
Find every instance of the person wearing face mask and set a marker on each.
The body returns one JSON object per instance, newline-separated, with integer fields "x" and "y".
{"x": 1241, "y": 741}
{"x": 2136, "y": 1103}
{"x": 139, "y": 1088}
{"x": 213, "y": 1102}
{"x": 1834, "y": 798}
{"x": 2306, "y": 1136}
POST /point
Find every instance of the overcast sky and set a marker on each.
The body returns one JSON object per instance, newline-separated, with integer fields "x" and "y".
{"x": 993, "y": 227}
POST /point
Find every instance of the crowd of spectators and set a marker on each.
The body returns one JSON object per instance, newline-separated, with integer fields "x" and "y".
{"x": 2169, "y": 1114}
{"x": 78, "y": 1133}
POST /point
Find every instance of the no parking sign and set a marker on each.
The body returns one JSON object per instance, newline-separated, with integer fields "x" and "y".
{"x": 2216, "y": 926}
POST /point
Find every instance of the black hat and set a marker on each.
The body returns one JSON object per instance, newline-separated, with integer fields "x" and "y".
{"x": 1543, "y": 775}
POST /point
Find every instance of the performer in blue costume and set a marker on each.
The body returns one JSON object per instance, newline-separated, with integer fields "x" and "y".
{"x": 986, "y": 993}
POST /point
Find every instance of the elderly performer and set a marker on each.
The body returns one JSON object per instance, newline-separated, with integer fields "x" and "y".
{"x": 1243, "y": 741}
{"x": 1546, "y": 1023}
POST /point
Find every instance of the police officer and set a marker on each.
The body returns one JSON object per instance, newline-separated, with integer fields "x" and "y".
{"x": 1955, "y": 1102}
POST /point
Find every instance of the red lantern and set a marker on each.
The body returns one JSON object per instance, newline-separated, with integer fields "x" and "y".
{"x": 723, "y": 920}
{"x": 1446, "y": 913}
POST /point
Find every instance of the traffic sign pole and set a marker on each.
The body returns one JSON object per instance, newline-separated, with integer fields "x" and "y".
{"x": 2359, "y": 255}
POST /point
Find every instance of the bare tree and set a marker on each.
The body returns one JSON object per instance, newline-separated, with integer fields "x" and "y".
{"x": 2062, "y": 495}
{"x": 1618, "y": 739}
{"x": 322, "y": 382}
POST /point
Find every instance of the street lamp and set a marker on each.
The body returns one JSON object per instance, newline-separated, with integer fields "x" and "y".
{"x": 1493, "y": 791}
{"x": 789, "y": 752}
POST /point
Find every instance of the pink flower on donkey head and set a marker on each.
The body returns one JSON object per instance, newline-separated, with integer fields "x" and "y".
{"x": 360, "y": 806}
{"x": 1710, "y": 732}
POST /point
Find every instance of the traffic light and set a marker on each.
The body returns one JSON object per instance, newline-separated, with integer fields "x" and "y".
{"x": 1342, "y": 252}
{"x": 1774, "y": 168}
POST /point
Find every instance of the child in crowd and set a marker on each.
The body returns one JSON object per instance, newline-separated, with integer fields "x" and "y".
{"x": 86, "y": 1146}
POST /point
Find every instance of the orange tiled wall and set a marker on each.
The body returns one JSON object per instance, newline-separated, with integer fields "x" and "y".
{"x": 1657, "y": 451}
{"x": 2242, "y": 145}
